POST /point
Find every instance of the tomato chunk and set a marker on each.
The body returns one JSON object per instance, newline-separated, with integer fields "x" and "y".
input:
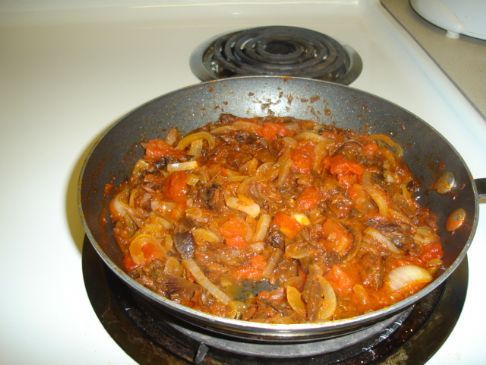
{"x": 309, "y": 198}
{"x": 356, "y": 192}
{"x": 234, "y": 232}
{"x": 128, "y": 263}
{"x": 287, "y": 224}
{"x": 341, "y": 279}
{"x": 431, "y": 251}
{"x": 360, "y": 198}
{"x": 303, "y": 157}
{"x": 346, "y": 171}
{"x": 270, "y": 131}
{"x": 340, "y": 165}
{"x": 156, "y": 149}
{"x": 151, "y": 252}
{"x": 253, "y": 271}
{"x": 337, "y": 238}
{"x": 370, "y": 149}
{"x": 176, "y": 187}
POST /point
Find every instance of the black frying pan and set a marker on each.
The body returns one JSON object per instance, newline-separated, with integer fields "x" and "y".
{"x": 119, "y": 148}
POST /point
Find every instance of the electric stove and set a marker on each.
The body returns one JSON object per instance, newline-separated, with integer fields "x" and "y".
{"x": 69, "y": 69}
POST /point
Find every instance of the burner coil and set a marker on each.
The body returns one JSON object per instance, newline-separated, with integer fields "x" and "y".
{"x": 277, "y": 50}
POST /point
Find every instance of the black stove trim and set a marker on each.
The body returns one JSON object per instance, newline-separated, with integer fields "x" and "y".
{"x": 421, "y": 335}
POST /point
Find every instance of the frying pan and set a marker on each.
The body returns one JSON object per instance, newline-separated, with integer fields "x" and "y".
{"x": 426, "y": 152}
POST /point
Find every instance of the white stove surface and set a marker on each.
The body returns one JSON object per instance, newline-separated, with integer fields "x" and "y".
{"x": 69, "y": 69}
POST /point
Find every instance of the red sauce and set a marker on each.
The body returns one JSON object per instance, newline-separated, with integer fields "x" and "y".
{"x": 276, "y": 220}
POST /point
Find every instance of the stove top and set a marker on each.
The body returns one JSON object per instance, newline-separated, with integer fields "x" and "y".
{"x": 151, "y": 336}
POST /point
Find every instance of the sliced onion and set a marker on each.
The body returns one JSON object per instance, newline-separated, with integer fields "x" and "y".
{"x": 297, "y": 251}
{"x": 162, "y": 222}
{"x": 202, "y": 234}
{"x": 236, "y": 178}
{"x": 285, "y": 165}
{"x": 311, "y": 136}
{"x": 119, "y": 206}
{"x": 196, "y": 148}
{"x": 173, "y": 267}
{"x": 408, "y": 196}
{"x": 404, "y": 276}
{"x": 196, "y": 214}
{"x": 119, "y": 209}
{"x": 377, "y": 235}
{"x": 249, "y": 167}
{"x": 445, "y": 183}
{"x": 244, "y": 185}
{"x": 390, "y": 162}
{"x": 133, "y": 195}
{"x": 289, "y": 142}
{"x": 202, "y": 280}
{"x": 249, "y": 223}
{"x": 424, "y": 235}
{"x": 294, "y": 298}
{"x": 395, "y": 214}
{"x": 236, "y": 308}
{"x": 357, "y": 241}
{"x": 329, "y": 303}
{"x": 135, "y": 248}
{"x": 272, "y": 263}
{"x": 379, "y": 197}
{"x": 168, "y": 242}
{"x": 192, "y": 179}
{"x": 182, "y": 166}
{"x": 172, "y": 136}
{"x": 366, "y": 178}
{"x": 262, "y": 227}
{"x": 138, "y": 242}
{"x": 267, "y": 171}
{"x": 361, "y": 294}
{"x": 320, "y": 153}
{"x": 246, "y": 126}
{"x": 389, "y": 141}
{"x": 434, "y": 265}
{"x": 245, "y": 205}
{"x": 223, "y": 129}
{"x": 162, "y": 206}
{"x": 187, "y": 140}
{"x": 155, "y": 227}
{"x": 257, "y": 247}
{"x": 390, "y": 178}
{"x": 140, "y": 167}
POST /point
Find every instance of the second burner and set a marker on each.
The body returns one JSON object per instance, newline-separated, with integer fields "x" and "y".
{"x": 277, "y": 50}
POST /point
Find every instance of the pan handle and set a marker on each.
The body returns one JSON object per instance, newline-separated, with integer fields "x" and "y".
{"x": 481, "y": 187}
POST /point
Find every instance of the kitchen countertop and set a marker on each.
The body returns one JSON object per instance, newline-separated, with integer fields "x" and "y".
{"x": 463, "y": 60}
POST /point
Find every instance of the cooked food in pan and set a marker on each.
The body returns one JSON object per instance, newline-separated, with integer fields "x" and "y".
{"x": 275, "y": 220}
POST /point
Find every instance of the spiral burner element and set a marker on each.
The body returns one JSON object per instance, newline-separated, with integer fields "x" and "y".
{"x": 277, "y": 50}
